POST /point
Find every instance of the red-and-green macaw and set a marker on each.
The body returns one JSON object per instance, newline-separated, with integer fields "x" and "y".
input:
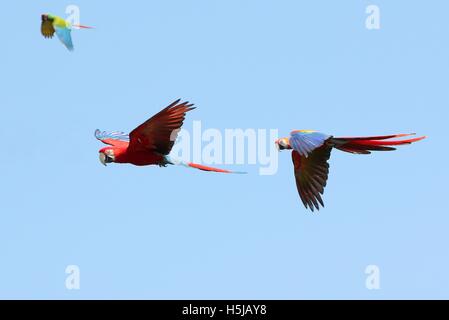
{"x": 51, "y": 24}
{"x": 151, "y": 142}
{"x": 312, "y": 150}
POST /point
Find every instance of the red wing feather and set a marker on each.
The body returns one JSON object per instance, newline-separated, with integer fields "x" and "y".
{"x": 158, "y": 134}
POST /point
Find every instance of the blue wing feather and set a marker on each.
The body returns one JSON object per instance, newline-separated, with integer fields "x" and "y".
{"x": 306, "y": 141}
{"x": 64, "y": 34}
{"x": 110, "y": 136}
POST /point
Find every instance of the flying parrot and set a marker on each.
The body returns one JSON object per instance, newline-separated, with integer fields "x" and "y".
{"x": 312, "y": 150}
{"x": 151, "y": 142}
{"x": 51, "y": 24}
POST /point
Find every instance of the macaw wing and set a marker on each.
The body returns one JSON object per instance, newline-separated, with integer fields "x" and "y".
{"x": 114, "y": 138}
{"x": 311, "y": 175}
{"x": 305, "y": 141}
{"x": 158, "y": 134}
{"x": 47, "y": 29}
{"x": 64, "y": 34}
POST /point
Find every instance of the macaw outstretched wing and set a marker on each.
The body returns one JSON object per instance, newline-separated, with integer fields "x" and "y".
{"x": 311, "y": 175}
{"x": 64, "y": 34}
{"x": 113, "y": 138}
{"x": 305, "y": 141}
{"x": 158, "y": 134}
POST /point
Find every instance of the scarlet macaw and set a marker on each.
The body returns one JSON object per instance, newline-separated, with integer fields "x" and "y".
{"x": 51, "y": 24}
{"x": 151, "y": 142}
{"x": 312, "y": 150}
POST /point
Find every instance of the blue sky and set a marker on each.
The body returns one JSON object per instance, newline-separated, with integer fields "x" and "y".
{"x": 173, "y": 233}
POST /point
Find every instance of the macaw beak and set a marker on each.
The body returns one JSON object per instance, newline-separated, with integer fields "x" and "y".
{"x": 276, "y": 143}
{"x": 103, "y": 158}
{"x": 44, "y": 17}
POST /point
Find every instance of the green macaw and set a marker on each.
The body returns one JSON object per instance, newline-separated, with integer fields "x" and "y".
{"x": 51, "y": 24}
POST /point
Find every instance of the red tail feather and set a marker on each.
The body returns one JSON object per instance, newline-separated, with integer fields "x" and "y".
{"x": 387, "y": 143}
{"x": 205, "y": 168}
{"x": 378, "y": 137}
{"x": 363, "y": 145}
{"x": 82, "y": 27}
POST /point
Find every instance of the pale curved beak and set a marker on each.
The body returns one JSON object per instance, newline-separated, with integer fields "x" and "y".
{"x": 278, "y": 144}
{"x": 102, "y": 158}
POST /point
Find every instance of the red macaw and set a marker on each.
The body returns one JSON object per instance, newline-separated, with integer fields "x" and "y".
{"x": 312, "y": 150}
{"x": 151, "y": 142}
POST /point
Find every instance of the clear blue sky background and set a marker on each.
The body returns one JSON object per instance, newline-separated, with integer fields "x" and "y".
{"x": 177, "y": 233}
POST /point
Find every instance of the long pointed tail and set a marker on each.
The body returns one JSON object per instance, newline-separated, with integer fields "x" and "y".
{"x": 364, "y": 145}
{"x": 82, "y": 27}
{"x": 179, "y": 162}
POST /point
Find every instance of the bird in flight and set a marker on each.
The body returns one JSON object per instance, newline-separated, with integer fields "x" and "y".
{"x": 312, "y": 150}
{"x": 53, "y": 24}
{"x": 151, "y": 142}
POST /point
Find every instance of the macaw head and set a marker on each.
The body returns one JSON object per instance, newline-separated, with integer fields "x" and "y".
{"x": 47, "y": 17}
{"x": 107, "y": 155}
{"x": 282, "y": 144}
